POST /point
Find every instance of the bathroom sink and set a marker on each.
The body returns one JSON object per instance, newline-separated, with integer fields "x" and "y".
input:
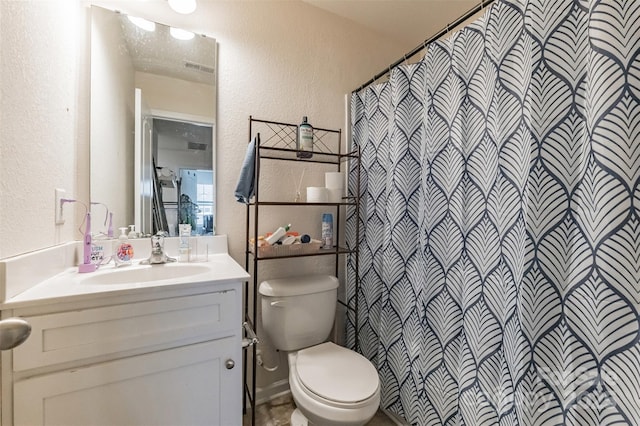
{"x": 144, "y": 273}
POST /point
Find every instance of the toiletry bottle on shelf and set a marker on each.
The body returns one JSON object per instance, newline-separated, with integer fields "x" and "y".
{"x": 327, "y": 230}
{"x": 279, "y": 233}
{"x": 305, "y": 139}
{"x": 124, "y": 253}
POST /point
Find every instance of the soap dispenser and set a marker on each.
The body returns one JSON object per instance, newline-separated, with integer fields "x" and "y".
{"x": 124, "y": 254}
{"x": 132, "y": 232}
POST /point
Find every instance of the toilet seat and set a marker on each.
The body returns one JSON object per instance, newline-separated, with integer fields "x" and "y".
{"x": 336, "y": 376}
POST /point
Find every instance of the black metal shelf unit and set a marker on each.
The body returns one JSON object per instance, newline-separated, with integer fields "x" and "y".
{"x": 277, "y": 141}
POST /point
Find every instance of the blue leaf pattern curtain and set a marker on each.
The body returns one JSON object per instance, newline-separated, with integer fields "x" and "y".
{"x": 499, "y": 267}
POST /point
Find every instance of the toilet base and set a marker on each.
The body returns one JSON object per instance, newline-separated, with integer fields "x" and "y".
{"x": 298, "y": 419}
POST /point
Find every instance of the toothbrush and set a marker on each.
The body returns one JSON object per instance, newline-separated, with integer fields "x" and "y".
{"x": 110, "y": 228}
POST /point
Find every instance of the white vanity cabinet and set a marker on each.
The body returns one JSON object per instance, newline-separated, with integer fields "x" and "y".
{"x": 169, "y": 357}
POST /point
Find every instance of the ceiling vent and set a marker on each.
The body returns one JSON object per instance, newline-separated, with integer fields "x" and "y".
{"x": 198, "y": 67}
{"x": 197, "y": 146}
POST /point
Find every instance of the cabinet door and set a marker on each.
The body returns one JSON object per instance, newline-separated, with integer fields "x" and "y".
{"x": 189, "y": 385}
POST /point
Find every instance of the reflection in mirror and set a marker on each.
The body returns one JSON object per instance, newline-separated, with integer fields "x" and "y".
{"x": 152, "y": 126}
{"x": 182, "y": 152}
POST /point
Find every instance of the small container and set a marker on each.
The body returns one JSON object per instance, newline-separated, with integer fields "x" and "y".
{"x": 198, "y": 249}
{"x": 184, "y": 248}
{"x": 327, "y": 230}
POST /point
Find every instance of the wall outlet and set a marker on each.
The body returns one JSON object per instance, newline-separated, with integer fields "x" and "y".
{"x": 59, "y": 196}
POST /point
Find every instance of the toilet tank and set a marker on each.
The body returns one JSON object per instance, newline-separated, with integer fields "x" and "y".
{"x": 298, "y": 312}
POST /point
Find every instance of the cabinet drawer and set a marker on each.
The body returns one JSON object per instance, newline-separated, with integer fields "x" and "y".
{"x": 70, "y": 336}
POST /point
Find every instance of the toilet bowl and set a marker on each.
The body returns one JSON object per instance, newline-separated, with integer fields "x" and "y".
{"x": 332, "y": 385}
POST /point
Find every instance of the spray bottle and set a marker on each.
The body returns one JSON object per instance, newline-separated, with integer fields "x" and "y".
{"x": 327, "y": 230}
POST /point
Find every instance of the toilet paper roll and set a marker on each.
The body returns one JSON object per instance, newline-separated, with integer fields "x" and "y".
{"x": 316, "y": 194}
{"x": 335, "y": 195}
{"x": 334, "y": 180}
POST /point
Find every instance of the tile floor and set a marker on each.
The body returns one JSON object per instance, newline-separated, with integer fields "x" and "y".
{"x": 277, "y": 412}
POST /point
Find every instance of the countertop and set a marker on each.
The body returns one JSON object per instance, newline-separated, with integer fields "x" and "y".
{"x": 70, "y": 285}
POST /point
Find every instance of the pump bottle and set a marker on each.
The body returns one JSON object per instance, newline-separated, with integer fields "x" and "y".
{"x": 124, "y": 253}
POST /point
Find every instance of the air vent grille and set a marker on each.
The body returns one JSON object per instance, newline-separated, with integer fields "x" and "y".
{"x": 199, "y": 67}
{"x": 197, "y": 146}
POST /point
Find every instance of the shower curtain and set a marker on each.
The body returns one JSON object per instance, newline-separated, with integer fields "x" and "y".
{"x": 499, "y": 249}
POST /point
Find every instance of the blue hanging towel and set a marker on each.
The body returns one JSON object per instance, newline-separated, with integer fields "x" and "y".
{"x": 244, "y": 188}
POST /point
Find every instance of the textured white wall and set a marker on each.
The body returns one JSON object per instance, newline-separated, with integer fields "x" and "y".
{"x": 39, "y": 134}
{"x": 170, "y": 94}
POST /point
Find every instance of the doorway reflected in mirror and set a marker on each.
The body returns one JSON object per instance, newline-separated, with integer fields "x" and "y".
{"x": 184, "y": 192}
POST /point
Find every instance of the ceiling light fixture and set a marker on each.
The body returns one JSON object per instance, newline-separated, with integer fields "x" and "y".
{"x": 180, "y": 34}
{"x": 143, "y": 23}
{"x": 183, "y": 6}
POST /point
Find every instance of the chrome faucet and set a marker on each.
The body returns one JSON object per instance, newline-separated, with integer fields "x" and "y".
{"x": 158, "y": 256}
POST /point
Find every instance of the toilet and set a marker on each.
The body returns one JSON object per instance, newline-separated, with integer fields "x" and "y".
{"x": 330, "y": 384}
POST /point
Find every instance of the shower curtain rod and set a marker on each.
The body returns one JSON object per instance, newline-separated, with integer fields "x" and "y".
{"x": 417, "y": 49}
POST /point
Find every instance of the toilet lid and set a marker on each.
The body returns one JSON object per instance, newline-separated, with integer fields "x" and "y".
{"x": 336, "y": 373}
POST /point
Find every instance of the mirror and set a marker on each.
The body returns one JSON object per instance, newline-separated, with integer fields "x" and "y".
{"x": 152, "y": 127}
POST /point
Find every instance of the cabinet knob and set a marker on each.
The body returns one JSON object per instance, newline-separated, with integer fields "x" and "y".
{"x": 229, "y": 364}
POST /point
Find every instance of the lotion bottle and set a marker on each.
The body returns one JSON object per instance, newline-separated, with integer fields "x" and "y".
{"x": 279, "y": 233}
{"x": 184, "y": 249}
